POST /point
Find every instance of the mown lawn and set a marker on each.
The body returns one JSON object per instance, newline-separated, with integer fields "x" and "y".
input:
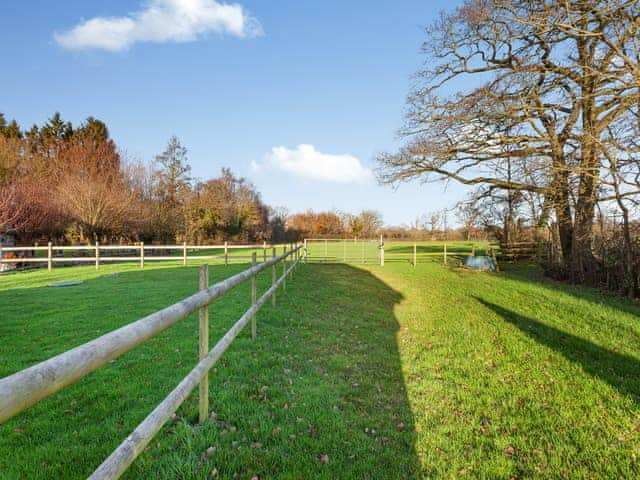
{"x": 396, "y": 251}
{"x": 394, "y": 372}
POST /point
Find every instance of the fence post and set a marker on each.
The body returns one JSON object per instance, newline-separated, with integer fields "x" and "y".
{"x": 264, "y": 251}
{"x": 363, "y": 260}
{"x": 381, "y": 251}
{"x": 49, "y": 257}
{"x": 97, "y": 255}
{"x": 273, "y": 278}
{"x": 495, "y": 260}
{"x": 184, "y": 254}
{"x": 415, "y": 261}
{"x": 344, "y": 250}
{"x": 226, "y": 254}
{"x": 445, "y": 253}
{"x": 326, "y": 253}
{"x": 254, "y": 326}
{"x": 284, "y": 270}
{"x": 305, "y": 251}
{"x": 473, "y": 250}
{"x": 203, "y": 346}
{"x": 294, "y": 257}
{"x": 141, "y": 254}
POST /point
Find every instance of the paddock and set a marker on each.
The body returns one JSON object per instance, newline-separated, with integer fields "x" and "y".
{"x": 394, "y": 372}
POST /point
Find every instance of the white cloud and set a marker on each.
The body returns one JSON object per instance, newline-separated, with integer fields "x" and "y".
{"x": 307, "y": 162}
{"x": 160, "y": 21}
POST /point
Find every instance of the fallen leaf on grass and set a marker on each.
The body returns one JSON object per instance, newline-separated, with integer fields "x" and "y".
{"x": 509, "y": 451}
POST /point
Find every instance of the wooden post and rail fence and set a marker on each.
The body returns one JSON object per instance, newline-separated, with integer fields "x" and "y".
{"x": 25, "y": 388}
{"x": 323, "y": 250}
{"x": 376, "y": 251}
{"x": 51, "y": 255}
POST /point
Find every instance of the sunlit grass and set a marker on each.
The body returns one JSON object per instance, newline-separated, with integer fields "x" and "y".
{"x": 394, "y": 372}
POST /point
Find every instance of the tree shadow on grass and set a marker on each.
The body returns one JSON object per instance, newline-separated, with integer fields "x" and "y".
{"x": 529, "y": 274}
{"x": 322, "y": 378}
{"x": 618, "y": 370}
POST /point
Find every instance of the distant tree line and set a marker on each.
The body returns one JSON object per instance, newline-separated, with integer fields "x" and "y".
{"x": 71, "y": 184}
{"x": 365, "y": 225}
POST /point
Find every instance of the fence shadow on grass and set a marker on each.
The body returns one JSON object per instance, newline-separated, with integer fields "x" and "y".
{"x": 618, "y": 370}
{"x": 323, "y": 378}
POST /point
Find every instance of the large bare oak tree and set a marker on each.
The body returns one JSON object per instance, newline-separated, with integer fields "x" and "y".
{"x": 529, "y": 95}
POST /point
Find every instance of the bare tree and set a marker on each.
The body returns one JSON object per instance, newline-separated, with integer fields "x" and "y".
{"x": 11, "y": 208}
{"x": 31, "y": 208}
{"x": 433, "y": 220}
{"x": 371, "y": 221}
{"x": 91, "y": 189}
{"x": 227, "y": 207}
{"x": 548, "y": 79}
{"x": 622, "y": 176}
{"x": 468, "y": 215}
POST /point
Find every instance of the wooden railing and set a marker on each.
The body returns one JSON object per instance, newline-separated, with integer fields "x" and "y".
{"x": 374, "y": 251}
{"x": 535, "y": 250}
{"x": 99, "y": 254}
{"x": 343, "y": 250}
{"x": 27, "y": 387}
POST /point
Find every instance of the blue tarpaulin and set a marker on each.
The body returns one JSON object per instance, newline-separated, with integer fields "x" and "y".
{"x": 480, "y": 263}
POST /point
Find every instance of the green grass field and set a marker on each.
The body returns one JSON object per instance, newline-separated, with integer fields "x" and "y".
{"x": 395, "y": 251}
{"x": 394, "y": 372}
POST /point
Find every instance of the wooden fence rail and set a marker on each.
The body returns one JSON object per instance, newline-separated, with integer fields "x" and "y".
{"x": 375, "y": 251}
{"x": 25, "y": 388}
{"x": 130, "y": 253}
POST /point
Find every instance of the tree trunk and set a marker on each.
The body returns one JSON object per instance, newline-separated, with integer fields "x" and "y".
{"x": 562, "y": 208}
{"x": 583, "y": 262}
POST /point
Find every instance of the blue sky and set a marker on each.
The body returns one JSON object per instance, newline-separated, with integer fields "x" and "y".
{"x": 242, "y": 85}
